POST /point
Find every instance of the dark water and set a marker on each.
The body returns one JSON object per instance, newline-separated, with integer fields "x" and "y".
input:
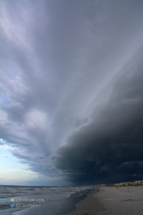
{"x": 58, "y": 207}
{"x": 42, "y": 200}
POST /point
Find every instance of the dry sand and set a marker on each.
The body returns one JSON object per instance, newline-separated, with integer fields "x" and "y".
{"x": 113, "y": 201}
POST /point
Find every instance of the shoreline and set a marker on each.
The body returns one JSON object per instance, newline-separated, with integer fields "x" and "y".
{"x": 106, "y": 201}
{"x": 111, "y": 200}
{"x": 90, "y": 204}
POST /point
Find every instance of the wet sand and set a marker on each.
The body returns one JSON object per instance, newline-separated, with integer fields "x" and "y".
{"x": 91, "y": 204}
{"x": 113, "y": 201}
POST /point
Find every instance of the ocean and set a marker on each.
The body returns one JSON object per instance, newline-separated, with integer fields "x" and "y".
{"x": 29, "y": 200}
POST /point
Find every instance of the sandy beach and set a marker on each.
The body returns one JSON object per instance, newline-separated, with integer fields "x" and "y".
{"x": 113, "y": 201}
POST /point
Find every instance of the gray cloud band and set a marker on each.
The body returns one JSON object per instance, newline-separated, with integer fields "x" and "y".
{"x": 110, "y": 147}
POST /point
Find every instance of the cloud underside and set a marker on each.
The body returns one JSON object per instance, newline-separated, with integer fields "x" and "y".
{"x": 110, "y": 147}
{"x": 71, "y": 88}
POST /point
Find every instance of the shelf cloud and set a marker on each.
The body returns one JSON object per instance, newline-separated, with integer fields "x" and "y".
{"x": 71, "y": 88}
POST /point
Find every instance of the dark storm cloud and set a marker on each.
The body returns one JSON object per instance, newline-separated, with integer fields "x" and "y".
{"x": 56, "y": 59}
{"x": 110, "y": 147}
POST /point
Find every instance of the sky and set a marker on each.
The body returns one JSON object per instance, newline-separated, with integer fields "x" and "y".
{"x": 71, "y": 92}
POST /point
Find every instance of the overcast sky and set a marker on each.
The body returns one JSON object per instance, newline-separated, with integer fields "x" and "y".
{"x": 71, "y": 91}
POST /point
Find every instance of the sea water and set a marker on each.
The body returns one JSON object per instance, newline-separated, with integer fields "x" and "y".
{"x": 18, "y": 200}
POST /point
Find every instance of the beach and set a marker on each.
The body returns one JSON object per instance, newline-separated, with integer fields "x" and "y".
{"x": 126, "y": 200}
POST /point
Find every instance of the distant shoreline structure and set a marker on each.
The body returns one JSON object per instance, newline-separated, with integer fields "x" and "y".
{"x": 134, "y": 183}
